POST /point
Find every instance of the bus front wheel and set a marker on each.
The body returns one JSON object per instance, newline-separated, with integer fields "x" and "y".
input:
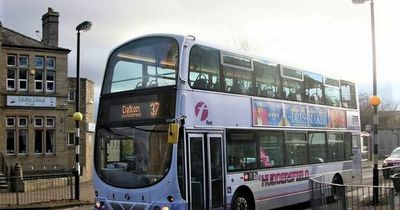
{"x": 243, "y": 199}
{"x": 241, "y": 203}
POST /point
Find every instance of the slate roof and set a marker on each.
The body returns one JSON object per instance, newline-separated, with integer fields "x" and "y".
{"x": 12, "y": 38}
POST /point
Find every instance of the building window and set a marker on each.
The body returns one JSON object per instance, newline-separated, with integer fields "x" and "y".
{"x": 10, "y": 79}
{"x": 44, "y": 135}
{"x": 71, "y": 95}
{"x": 10, "y": 142}
{"x": 38, "y": 141}
{"x": 50, "y": 141}
{"x": 23, "y": 61}
{"x": 22, "y": 141}
{"x": 17, "y": 78}
{"x": 10, "y": 122}
{"x": 51, "y": 63}
{"x": 17, "y": 136}
{"x": 71, "y": 139}
{"x": 50, "y": 122}
{"x": 11, "y": 60}
{"x": 39, "y": 62}
{"x": 38, "y": 80}
{"x": 50, "y": 81}
{"x": 38, "y": 121}
{"x": 22, "y": 122}
{"x": 23, "y": 80}
{"x": 50, "y": 135}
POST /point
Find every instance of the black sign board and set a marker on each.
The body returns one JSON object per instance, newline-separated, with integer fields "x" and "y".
{"x": 138, "y": 107}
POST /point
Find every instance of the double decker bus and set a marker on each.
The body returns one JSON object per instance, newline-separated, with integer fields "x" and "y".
{"x": 183, "y": 124}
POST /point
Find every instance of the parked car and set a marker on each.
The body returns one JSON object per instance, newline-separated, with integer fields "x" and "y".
{"x": 392, "y": 162}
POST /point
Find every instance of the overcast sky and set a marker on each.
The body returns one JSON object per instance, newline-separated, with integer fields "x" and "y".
{"x": 328, "y": 36}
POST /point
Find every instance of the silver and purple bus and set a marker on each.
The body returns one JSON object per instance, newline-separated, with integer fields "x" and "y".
{"x": 184, "y": 124}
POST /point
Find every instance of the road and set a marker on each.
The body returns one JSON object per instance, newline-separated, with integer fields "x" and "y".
{"x": 85, "y": 207}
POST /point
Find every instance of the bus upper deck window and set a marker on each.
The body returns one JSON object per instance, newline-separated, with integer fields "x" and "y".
{"x": 348, "y": 90}
{"x": 332, "y": 92}
{"x": 313, "y": 84}
{"x": 292, "y": 84}
{"x": 204, "y": 70}
{"x": 267, "y": 78}
{"x": 143, "y": 63}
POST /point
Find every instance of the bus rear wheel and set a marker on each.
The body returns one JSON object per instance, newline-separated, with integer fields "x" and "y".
{"x": 240, "y": 203}
{"x": 338, "y": 191}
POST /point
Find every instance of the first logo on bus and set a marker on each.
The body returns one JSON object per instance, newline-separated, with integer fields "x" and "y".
{"x": 201, "y": 110}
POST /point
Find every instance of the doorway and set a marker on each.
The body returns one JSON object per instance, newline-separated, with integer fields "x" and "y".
{"x": 206, "y": 174}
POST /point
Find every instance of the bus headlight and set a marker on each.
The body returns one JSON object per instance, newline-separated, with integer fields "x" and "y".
{"x": 99, "y": 205}
{"x": 162, "y": 208}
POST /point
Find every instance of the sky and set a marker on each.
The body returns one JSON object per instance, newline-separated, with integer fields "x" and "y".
{"x": 332, "y": 37}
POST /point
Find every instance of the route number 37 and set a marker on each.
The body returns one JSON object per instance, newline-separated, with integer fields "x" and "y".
{"x": 154, "y": 107}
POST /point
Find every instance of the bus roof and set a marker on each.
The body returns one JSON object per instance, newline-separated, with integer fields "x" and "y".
{"x": 255, "y": 57}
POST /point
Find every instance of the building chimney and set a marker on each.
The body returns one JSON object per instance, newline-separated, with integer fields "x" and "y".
{"x": 50, "y": 28}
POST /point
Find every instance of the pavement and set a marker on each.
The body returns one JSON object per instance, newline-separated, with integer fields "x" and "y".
{"x": 86, "y": 194}
{"x": 367, "y": 163}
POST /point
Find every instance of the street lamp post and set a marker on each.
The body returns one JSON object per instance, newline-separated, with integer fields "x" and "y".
{"x": 374, "y": 98}
{"x": 84, "y": 26}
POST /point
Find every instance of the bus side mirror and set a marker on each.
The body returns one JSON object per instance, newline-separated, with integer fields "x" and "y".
{"x": 173, "y": 133}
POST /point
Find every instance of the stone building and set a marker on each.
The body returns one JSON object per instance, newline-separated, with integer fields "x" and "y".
{"x": 87, "y": 125}
{"x": 388, "y": 132}
{"x": 36, "y": 106}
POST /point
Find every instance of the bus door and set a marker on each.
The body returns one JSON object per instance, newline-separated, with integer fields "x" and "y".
{"x": 206, "y": 174}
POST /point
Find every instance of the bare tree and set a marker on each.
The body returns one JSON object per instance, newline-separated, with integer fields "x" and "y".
{"x": 388, "y": 115}
{"x": 241, "y": 41}
{"x": 366, "y": 110}
{"x": 244, "y": 45}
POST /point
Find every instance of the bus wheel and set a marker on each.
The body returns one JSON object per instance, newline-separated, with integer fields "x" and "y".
{"x": 337, "y": 191}
{"x": 240, "y": 203}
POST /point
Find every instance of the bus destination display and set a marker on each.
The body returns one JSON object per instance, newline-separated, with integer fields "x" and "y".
{"x": 139, "y": 110}
{"x": 155, "y": 106}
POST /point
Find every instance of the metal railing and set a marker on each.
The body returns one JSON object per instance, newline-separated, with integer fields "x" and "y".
{"x": 326, "y": 195}
{"x": 37, "y": 189}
